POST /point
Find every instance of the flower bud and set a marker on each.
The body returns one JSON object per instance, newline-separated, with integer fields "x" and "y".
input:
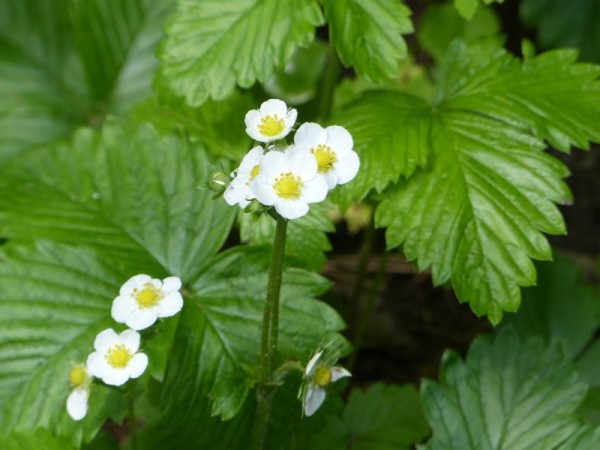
{"x": 218, "y": 182}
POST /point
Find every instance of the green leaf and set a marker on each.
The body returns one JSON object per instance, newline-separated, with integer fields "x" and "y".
{"x": 441, "y": 24}
{"x": 67, "y": 63}
{"x": 560, "y": 23}
{"x": 218, "y": 335}
{"x": 586, "y": 437}
{"x": 368, "y": 36}
{"x": 217, "y": 126}
{"x": 560, "y": 308}
{"x": 306, "y": 239}
{"x": 384, "y": 417}
{"x": 55, "y": 299}
{"x": 38, "y": 440}
{"x": 125, "y": 192}
{"x": 391, "y": 133}
{"x": 212, "y": 45}
{"x": 466, "y": 8}
{"x": 229, "y": 394}
{"x": 476, "y": 214}
{"x": 508, "y": 393}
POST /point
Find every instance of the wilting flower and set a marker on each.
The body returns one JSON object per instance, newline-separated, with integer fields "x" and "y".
{"x": 332, "y": 149}
{"x": 142, "y": 300}
{"x": 116, "y": 358}
{"x": 239, "y": 192}
{"x": 317, "y": 377}
{"x": 289, "y": 181}
{"x": 77, "y": 401}
{"x": 271, "y": 122}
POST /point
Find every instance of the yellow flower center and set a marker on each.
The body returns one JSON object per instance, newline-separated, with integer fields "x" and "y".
{"x": 322, "y": 376}
{"x": 271, "y": 125}
{"x": 288, "y": 186}
{"x": 254, "y": 172}
{"x": 147, "y": 297}
{"x": 77, "y": 376}
{"x": 325, "y": 157}
{"x": 118, "y": 356}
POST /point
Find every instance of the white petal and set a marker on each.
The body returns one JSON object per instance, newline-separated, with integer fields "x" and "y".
{"x": 137, "y": 365}
{"x": 290, "y": 119}
{"x": 96, "y": 365}
{"x": 274, "y": 106}
{"x": 272, "y": 165}
{"x": 312, "y": 362}
{"x": 263, "y": 192}
{"x": 252, "y": 119}
{"x": 77, "y": 403}
{"x": 310, "y": 135}
{"x": 116, "y": 377}
{"x": 301, "y": 161}
{"x": 135, "y": 282}
{"x": 339, "y": 139}
{"x": 237, "y": 191}
{"x": 171, "y": 284}
{"x": 347, "y": 167}
{"x": 291, "y": 209}
{"x": 156, "y": 283}
{"x": 315, "y": 190}
{"x": 251, "y": 159}
{"x": 339, "y": 372}
{"x": 170, "y": 305}
{"x": 105, "y": 339}
{"x": 143, "y": 319}
{"x": 123, "y": 306}
{"x": 314, "y": 399}
{"x": 331, "y": 178}
{"x": 131, "y": 340}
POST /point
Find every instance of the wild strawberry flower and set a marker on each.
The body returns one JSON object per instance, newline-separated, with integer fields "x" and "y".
{"x": 289, "y": 181}
{"x": 317, "y": 377}
{"x": 332, "y": 149}
{"x": 239, "y": 192}
{"x": 77, "y": 401}
{"x": 116, "y": 358}
{"x": 273, "y": 121}
{"x": 143, "y": 299}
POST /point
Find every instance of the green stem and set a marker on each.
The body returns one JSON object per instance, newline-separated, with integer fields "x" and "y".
{"x": 132, "y": 419}
{"x": 269, "y": 335}
{"x": 330, "y": 78}
{"x": 359, "y": 281}
{"x": 365, "y": 318}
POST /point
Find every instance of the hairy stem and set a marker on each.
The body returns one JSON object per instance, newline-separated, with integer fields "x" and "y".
{"x": 359, "y": 281}
{"x": 269, "y": 335}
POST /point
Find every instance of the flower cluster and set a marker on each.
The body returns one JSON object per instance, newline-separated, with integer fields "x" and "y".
{"x": 290, "y": 177}
{"x": 116, "y": 357}
{"x": 317, "y": 376}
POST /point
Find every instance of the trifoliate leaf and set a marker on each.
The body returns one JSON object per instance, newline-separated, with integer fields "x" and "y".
{"x": 391, "y": 134}
{"x": 125, "y": 192}
{"x": 509, "y": 393}
{"x": 368, "y": 35}
{"x": 476, "y": 211}
{"x": 212, "y": 45}
{"x": 38, "y": 440}
{"x": 572, "y": 24}
{"x": 560, "y": 308}
{"x": 218, "y": 334}
{"x": 65, "y": 63}
{"x": 384, "y": 417}
{"x": 306, "y": 240}
{"x": 54, "y": 300}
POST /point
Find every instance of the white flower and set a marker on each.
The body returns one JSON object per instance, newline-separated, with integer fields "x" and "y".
{"x": 317, "y": 377}
{"x": 238, "y": 191}
{"x": 332, "y": 148}
{"x": 271, "y": 122}
{"x": 116, "y": 358}
{"x": 143, "y": 299}
{"x": 77, "y": 401}
{"x": 289, "y": 181}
